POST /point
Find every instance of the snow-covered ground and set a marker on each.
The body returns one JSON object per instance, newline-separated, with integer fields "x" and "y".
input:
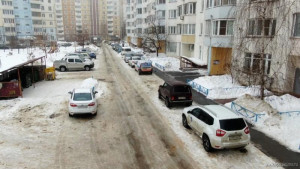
{"x": 10, "y": 58}
{"x": 282, "y": 128}
{"x": 234, "y": 159}
{"x": 224, "y": 87}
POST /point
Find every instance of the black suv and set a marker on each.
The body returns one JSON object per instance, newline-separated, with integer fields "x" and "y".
{"x": 174, "y": 92}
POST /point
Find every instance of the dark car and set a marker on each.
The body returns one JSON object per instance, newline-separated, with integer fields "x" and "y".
{"x": 174, "y": 92}
{"x": 93, "y": 55}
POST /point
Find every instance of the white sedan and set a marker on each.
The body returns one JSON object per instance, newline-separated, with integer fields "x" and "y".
{"x": 82, "y": 101}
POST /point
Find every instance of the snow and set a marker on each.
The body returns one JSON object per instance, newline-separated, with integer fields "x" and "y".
{"x": 234, "y": 159}
{"x": 196, "y": 61}
{"x": 284, "y": 103}
{"x": 225, "y": 87}
{"x": 11, "y": 58}
{"x": 273, "y": 124}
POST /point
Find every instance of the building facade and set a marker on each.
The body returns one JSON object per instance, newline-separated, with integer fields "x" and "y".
{"x": 266, "y": 44}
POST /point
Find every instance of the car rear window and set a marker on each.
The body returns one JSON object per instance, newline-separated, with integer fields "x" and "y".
{"x": 182, "y": 89}
{"x": 136, "y": 58}
{"x": 128, "y": 50}
{"x": 232, "y": 124}
{"x": 145, "y": 64}
{"x": 82, "y": 96}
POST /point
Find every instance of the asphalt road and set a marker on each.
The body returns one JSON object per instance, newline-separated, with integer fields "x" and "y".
{"x": 286, "y": 158}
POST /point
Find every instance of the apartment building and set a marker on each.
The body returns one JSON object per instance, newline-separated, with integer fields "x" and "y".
{"x": 8, "y": 21}
{"x": 181, "y": 27}
{"x": 48, "y": 13}
{"x": 2, "y": 37}
{"x": 266, "y": 44}
{"x": 143, "y": 15}
{"x": 114, "y": 19}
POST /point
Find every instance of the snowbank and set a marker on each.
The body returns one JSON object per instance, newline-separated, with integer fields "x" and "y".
{"x": 223, "y": 87}
{"x": 11, "y": 58}
{"x": 279, "y": 127}
{"x": 285, "y": 103}
{"x": 89, "y": 83}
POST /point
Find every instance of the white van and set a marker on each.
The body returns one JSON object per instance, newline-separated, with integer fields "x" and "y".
{"x": 125, "y": 50}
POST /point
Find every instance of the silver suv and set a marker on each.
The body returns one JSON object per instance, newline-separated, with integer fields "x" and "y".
{"x": 218, "y": 126}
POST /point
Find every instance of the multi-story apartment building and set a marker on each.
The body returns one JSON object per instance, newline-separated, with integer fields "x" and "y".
{"x": 266, "y": 44}
{"x": 2, "y": 33}
{"x": 8, "y": 20}
{"x": 181, "y": 27}
{"x": 48, "y": 19}
{"x": 114, "y": 18}
{"x": 143, "y": 15}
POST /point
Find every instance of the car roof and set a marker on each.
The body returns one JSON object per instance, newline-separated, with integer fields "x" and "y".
{"x": 126, "y": 47}
{"x": 221, "y": 112}
{"x": 82, "y": 90}
{"x": 175, "y": 82}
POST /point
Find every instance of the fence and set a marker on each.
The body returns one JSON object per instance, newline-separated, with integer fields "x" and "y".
{"x": 289, "y": 113}
{"x": 198, "y": 87}
{"x": 240, "y": 110}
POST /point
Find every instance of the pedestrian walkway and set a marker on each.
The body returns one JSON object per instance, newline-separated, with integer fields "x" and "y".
{"x": 285, "y": 157}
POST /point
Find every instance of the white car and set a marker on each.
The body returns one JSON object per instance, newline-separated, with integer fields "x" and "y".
{"x": 218, "y": 126}
{"x": 133, "y": 61}
{"x": 82, "y": 101}
{"x": 125, "y": 50}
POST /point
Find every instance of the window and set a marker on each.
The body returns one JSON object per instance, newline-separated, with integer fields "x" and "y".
{"x": 296, "y": 25}
{"x": 201, "y": 28}
{"x": 256, "y": 26}
{"x": 172, "y": 30}
{"x": 179, "y": 9}
{"x": 139, "y": 11}
{"x": 161, "y": 1}
{"x": 179, "y": 29}
{"x": 172, "y": 47}
{"x": 172, "y": 14}
{"x": 224, "y": 2}
{"x": 189, "y": 8}
{"x": 208, "y": 27}
{"x": 252, "y": 62}
{"x": 208, "y": 3}
{"x": 161, "y": 14}
{"x": 8, "y": 12}
{"x": 223, "y": 27}
{"x": 188, "y": 29}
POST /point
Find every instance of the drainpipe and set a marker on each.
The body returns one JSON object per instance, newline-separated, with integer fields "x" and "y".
{"x": 209, "y": 50}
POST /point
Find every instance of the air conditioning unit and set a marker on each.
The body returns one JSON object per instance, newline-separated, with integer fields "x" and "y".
{"x": 181, "y": 17}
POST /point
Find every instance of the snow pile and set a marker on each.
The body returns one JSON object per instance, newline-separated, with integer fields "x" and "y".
{"x": 225, "y": 87}
{"x": 196, "y": 60}
{"x": 284, "y": 103}
{"x": 271, "y": 123}
{"x": 89, "y": 83}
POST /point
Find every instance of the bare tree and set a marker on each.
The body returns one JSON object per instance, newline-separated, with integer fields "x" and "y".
{"x": 155, "y": 35}
{"x": 83, "y": 37}
{"x": 262, "y": 36}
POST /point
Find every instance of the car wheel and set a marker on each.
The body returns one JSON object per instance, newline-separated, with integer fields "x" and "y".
{"x": 62, "y": 69}
{"x": 159, "y": 95}
{"x": 70, "y": 115}
{"x": 87, "y": 68}
{"x": 140, "y": 72}
{"x": 206, "y": 143}
{"x": 184, "y": 122}
{"x": 95, "y": 114}
{"x": 167, "y": 102}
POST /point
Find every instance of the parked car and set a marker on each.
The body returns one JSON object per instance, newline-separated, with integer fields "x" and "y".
{"x": 143, "y": 66}
{"x": 84, "y": 57}
{"x": 88, "y": 51}
{"x": 73, "y": 63}
{"x": 125, "y": 50}
{"x": 127, "y": 57}
{"x": 218, "y": 126}
{"x": 133, "y": 61}
{"x": 174, "y": 92}
{"x": 82, "y": 101}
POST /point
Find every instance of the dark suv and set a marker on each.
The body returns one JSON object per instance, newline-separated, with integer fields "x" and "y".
{"x": 174, "y": 92}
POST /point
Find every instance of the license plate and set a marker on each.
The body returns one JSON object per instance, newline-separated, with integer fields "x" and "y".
{"x": 147, "y": 69}
{"x": 82, "y": 107}
{"x": 234, "y": 138}
{"x": 181, "y": 98}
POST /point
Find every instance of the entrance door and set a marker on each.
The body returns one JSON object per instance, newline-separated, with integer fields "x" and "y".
{"x": 297, "y": 82}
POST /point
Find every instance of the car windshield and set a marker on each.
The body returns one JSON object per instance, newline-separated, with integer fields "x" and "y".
{"x": 181, "y": 89}
{"x": 146, "y": 64}
{"x": 232, "y": 124}
{"x": 136, "y": 58}
{"x": 82, "y": 96}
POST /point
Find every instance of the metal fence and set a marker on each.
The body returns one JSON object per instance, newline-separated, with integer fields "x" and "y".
{"x": 198, "y": 87}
